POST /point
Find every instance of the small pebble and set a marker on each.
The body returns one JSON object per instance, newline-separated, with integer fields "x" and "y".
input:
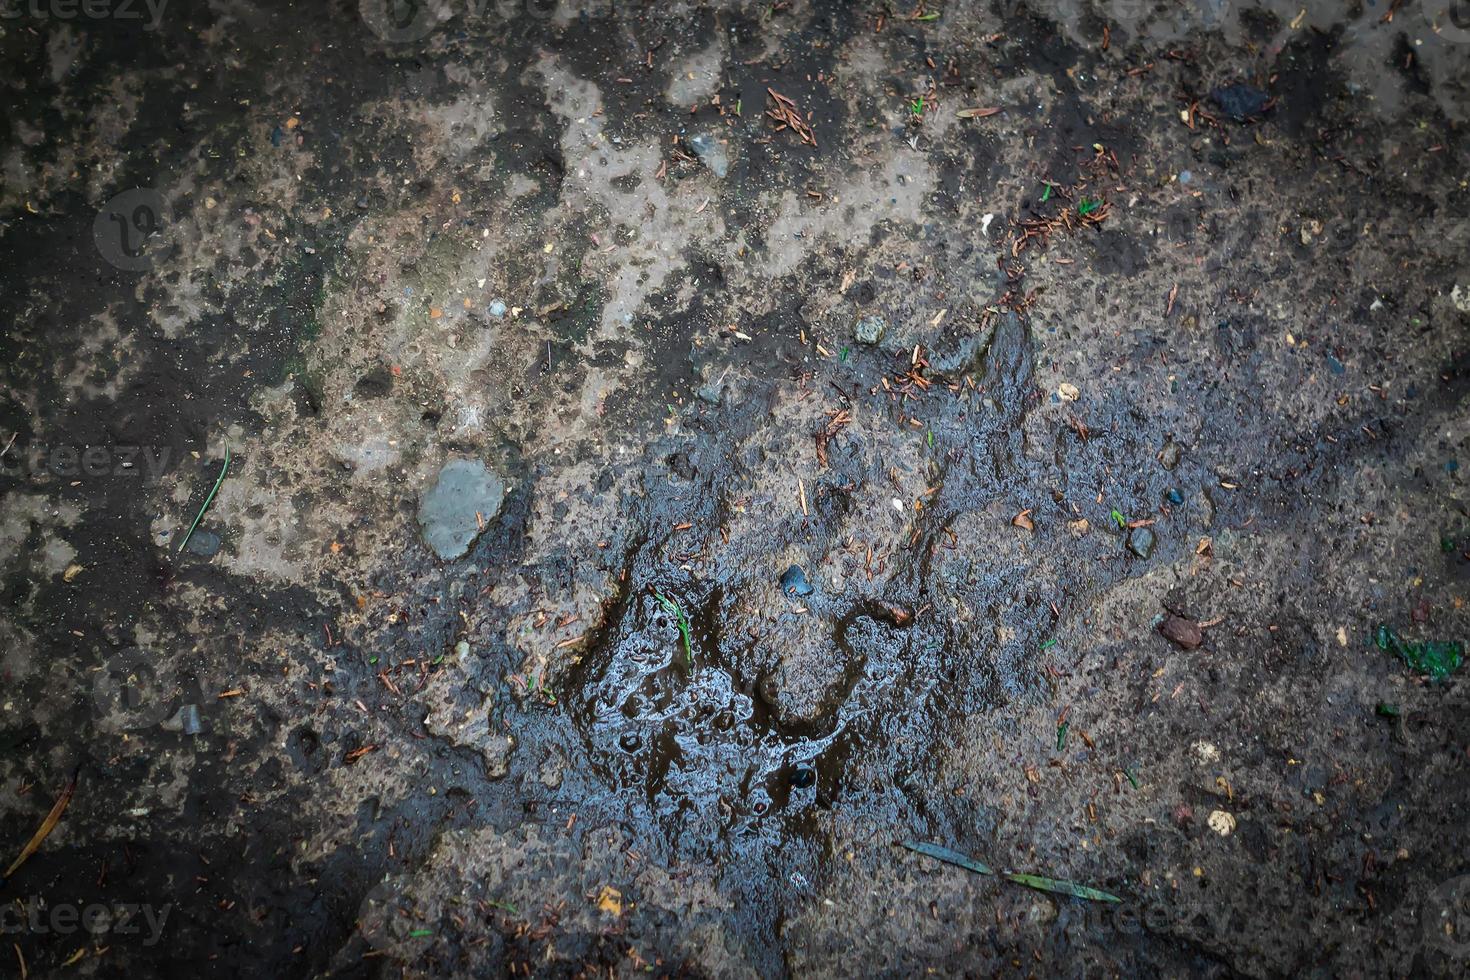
{"x": 1141, "y": 542}
{"x": 794, "y": 583}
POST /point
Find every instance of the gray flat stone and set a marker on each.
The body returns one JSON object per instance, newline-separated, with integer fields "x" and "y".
{"x": 465, "y": 487}
{"x": 870, "y": 329}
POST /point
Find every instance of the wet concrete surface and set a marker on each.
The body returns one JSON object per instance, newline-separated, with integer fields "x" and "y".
{"x": 1179, "y": 328}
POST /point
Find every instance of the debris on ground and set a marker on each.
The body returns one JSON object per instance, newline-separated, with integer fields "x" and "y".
{"x": 711, "y": 152}
{"x": 1059, "y": 887}
{"x": 1436, "y": 659}
{"x": 1054, "y": 885}
{"x": 224, "y": 468}
{"x": 794, "y": 582}
{"x": 948, "y": 856}
{"x": 463, "y": 500}
{"x": 1240, "y": 101}
{"x": 786, "y": 114}
{"x": 47, "y": 825}
{"x": 674, "y": 609}
{"x": 869, "y": 330}
{"x": 1183, "y": 633}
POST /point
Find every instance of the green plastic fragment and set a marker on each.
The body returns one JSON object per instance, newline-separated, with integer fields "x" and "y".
{"x": 1436, "y": 659}
{"x": 1387, "y": 710}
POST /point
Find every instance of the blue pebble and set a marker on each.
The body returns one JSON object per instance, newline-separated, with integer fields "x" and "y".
{"x": 793, "y": 582}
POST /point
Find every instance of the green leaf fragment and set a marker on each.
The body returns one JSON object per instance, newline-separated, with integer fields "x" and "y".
{"x": 1058, "y": 887}
{"x": 948, "y": 856}
{"x": 420, "y": 933}
{"x": 1120, "y": 519}
{"x": 672, "y": 607}
{"x": 1088, "y": 205}
{"x": 1046, "y": 195}
{"x": 1062, "y": 735}
{"x": 1437, "y": 659}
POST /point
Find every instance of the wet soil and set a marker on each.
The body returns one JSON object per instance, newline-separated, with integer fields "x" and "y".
{"x": 1145, "y": 353}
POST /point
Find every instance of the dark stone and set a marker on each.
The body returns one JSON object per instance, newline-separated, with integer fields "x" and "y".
{"x": 1241, "y": 102}
{"x": 1183, "y": 633}
{"x": 1141, "y": 542}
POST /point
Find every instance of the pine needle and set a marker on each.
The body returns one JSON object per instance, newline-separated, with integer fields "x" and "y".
{"x": 47, "y": 825}
{"x": 207, "y": 500}
{"x": 947, "y": 856}
{"x": 1061, "y": 887}
{"x": 1052, "y": 885}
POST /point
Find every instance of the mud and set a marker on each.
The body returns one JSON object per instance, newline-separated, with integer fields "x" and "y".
{"x": 566, "y": 242}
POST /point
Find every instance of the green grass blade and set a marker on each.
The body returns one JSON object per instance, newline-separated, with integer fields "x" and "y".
{"x": 947, "y": 856}
{"x": 207, "y": 500}
{"x": 1061, "y": 887}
